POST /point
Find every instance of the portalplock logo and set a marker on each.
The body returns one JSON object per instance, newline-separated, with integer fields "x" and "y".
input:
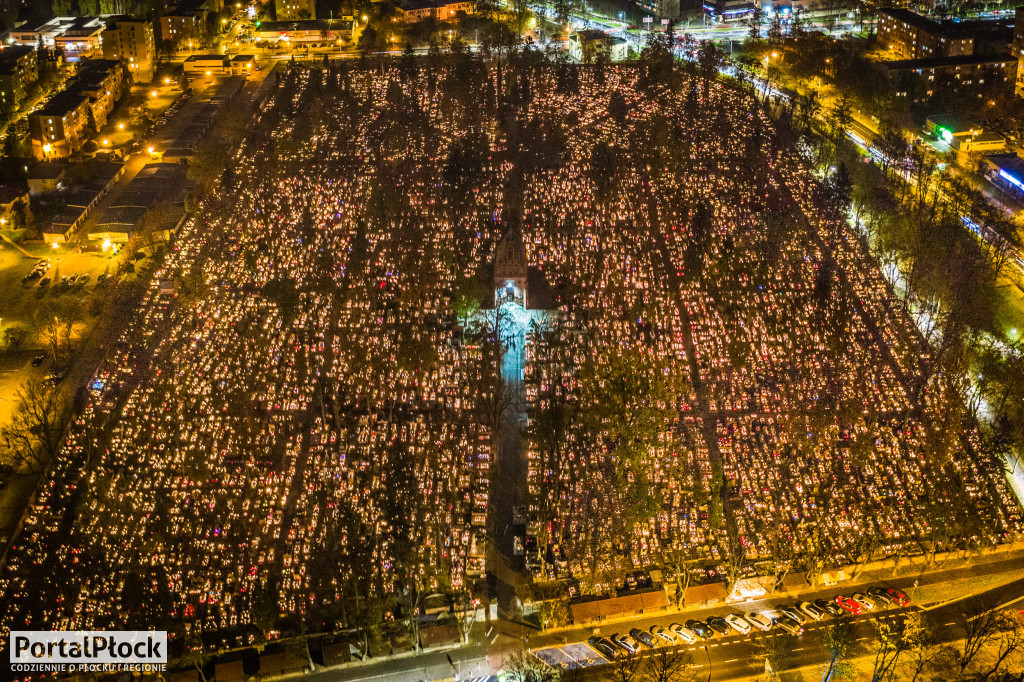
{"x": 88, "y": 651}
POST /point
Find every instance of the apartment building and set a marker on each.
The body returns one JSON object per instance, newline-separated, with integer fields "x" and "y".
{"x": 132, "y": 40}
{"x": 18, "y": 70}
{"x": 912, "y": 36}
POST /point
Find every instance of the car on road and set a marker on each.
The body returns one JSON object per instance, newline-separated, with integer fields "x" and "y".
{"x": 849, "y": 605}
{"x": 663, "y": 634}
{"x": 626, "y": 643}
{"x": 604, "y": 647}
{"x": 758, "y": 620}
{"x": 683, "y": 632}
{"x": 880, "y": 595}
{"x": 811, "y": 610}
{"x": 898, "y": 596}
{"x": 38, "y": 360}
{"x": 719, "y": 625}
{"x": 789, "y": 625}
{"x": 829, "y": 607}
{"x": 702, "y": 630}
{"x": 54, "y": 378}
{"x": 794, "y": 613}
{"x": 738, "y": 623}
{"x": 643, "y": 637}
{"x": 864, "y": 600}
{"x": 3, "y": 483}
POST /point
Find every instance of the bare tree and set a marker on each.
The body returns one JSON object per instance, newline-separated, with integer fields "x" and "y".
{"x": 521, "y": 666}
{"x": 627, "y": 668}
{"x": 775, "y": 651}
{"x": 923, "y": 650}
{"x": 1011, "y": 644}
{"x": 670, "y": 665}
{"x": 838, "y": 640}
{"x": 981, "y": 624}
{"x": 890, "y": 645}
{"x": 41, "y": 410}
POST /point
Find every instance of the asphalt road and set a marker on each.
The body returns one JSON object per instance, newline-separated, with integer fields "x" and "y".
{"x": 738, "y": 656}
{"x": 730, "y": 657}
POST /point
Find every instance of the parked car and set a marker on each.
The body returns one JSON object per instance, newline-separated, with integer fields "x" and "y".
{"x": 849, "y": 605}
{"x": 644, "y": 638}
{"x": 880, "y": 596}
{"x": 38, "y": 360}
{"x": 702, "y": 630}
{"x": 84, "y": 278}
{"x": 604, "y": 647}
{"x": 865, "y": 601}
{"x": 44, "y": 281}
{"x": 758, "y": 620}
{"x": 54, "y": 378}
{"x": 829, "y": 607}
{"x": 811, "y": 610}
{"x": 898, "y": 596}
{"x": 683, "y": 632}
{"x": 719, "y": 625}
{"x": 789, "y": 625}
{"x": 738, "y": 623}
{"x": 663, "y": 634}
{"x": 794, "y": 613}
{"x": 626, "y": 643}
{"x": 73, "y": 278}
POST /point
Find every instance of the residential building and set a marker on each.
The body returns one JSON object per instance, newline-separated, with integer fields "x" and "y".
{"x": 970, "y": 75}
{"x": 287, "y": 10}
{"x": 1018, "y": 48}
{"x": 411, "y": 11}
{"x": 59, "y": 129}
{"x": 911, "y": 36}
{"x": 105, "y": 83}
{"x": 183, "y": 26}
{"x": 18, "y": 70}
{"x": 133, "y": 41}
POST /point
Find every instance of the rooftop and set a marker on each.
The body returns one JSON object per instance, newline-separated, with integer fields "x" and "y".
{"x": 921, "y": 22}
{"x": 13, "y": 53}
{"x": 63, "y": 103}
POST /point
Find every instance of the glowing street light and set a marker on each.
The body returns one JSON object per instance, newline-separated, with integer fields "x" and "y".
{"x": 120, "y": 126}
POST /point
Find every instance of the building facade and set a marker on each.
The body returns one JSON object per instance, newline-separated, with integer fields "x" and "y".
{"x": 412, "y": 11}
{"x": 132, "y": 40}
{"x": 966, "y": 75}
{"x": 18, "y": 70}
{"x": 59, "y": 129}
{"x": 290, "y": 10}
{"x": 104, "y": 82}
{"x": 183, "y": 27}
{"x": 911, "y": 36}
